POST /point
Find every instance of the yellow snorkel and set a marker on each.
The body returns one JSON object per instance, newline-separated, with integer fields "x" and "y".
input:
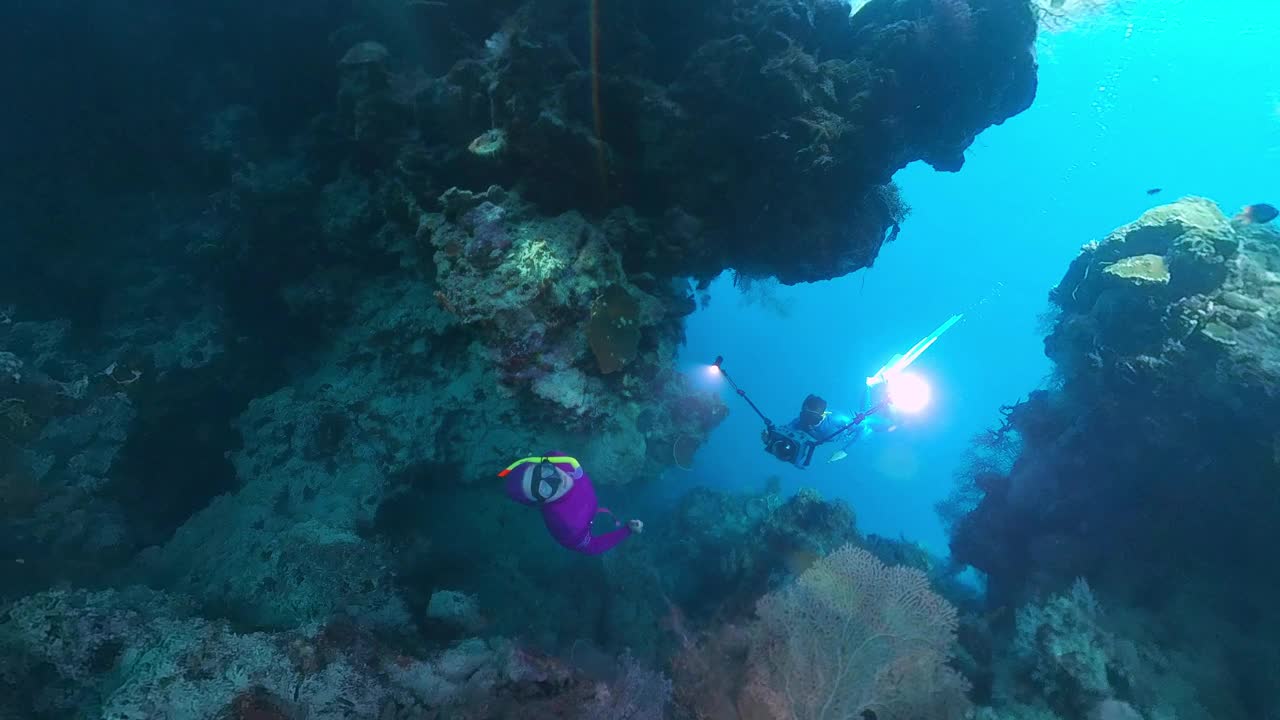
{"x": 557, "y": 460}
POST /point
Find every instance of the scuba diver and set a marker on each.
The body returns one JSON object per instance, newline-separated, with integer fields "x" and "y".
{"x": 889, "y": 392}
{"x": 559, "y": 487}
{"x": 823, "y": 426}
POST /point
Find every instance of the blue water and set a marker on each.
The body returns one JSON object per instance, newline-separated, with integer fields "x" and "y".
{"x": 1179, "y": 95}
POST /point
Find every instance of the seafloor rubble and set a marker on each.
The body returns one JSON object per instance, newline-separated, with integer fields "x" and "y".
{"x": 287, "y": 283}
{"x": 1146, "y": 477}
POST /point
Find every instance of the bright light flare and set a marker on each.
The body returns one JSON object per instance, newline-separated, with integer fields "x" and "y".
{"x": 909, "y": 392}
{"x": 714, "y": 370}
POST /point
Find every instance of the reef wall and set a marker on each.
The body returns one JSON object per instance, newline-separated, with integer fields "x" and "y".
{"x": 1149, "y": 472}
{"x": 284, "y": 280}
{"x": 403, "y": 246}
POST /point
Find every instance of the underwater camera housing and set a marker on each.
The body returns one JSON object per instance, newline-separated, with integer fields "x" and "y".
{"x": 789, "y": 446}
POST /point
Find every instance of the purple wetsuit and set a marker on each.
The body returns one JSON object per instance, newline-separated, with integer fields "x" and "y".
{"x": 568, "y": 518}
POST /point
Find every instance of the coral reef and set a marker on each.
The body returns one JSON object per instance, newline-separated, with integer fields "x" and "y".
{"x": 1159, "y": 438}
{"x": 297, "y": 209}
{"x": 745, "y": 545}
{"x": 284, "y": 304}
{"x": 402, "y": 395}
{"x": 134, "y": 654}
{"x": 1067, "y": 656}
{"x": 1064, "y": 650}
{"x": 760, "y": 138}
{"x": 63, "y": 426}
{"x": 555, "y": 311}
{"x": 705, "y": 560}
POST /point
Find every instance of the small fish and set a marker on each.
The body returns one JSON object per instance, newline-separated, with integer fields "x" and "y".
{"x": 1155, "y": 191}
{"x": 1258, "y": 214}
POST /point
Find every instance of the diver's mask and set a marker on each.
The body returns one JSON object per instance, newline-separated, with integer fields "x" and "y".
{"x": 813, "y": 411}
{"x": 544, "y": 482}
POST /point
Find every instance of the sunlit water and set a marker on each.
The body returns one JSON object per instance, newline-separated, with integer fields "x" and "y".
{"x": 1181, "y": 96}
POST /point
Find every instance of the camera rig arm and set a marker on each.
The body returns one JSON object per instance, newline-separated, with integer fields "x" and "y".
{"x": 857, "y": 420}
{"x": 719, "y": 365}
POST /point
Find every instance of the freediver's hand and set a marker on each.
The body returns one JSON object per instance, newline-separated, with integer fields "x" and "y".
{"x": 636, "y": 526}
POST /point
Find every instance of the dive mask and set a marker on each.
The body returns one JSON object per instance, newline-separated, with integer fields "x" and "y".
{"x": 542, "y": 478}
{"x": 546, "y": 481}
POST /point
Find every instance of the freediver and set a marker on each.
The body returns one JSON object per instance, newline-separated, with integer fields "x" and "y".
{"x": 558, "y": 486}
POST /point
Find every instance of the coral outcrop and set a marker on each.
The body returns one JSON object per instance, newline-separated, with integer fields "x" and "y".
{"x": 1149, "y": 470}
{"x": 760, "y": 137}
{"x": 72, "y": 427}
